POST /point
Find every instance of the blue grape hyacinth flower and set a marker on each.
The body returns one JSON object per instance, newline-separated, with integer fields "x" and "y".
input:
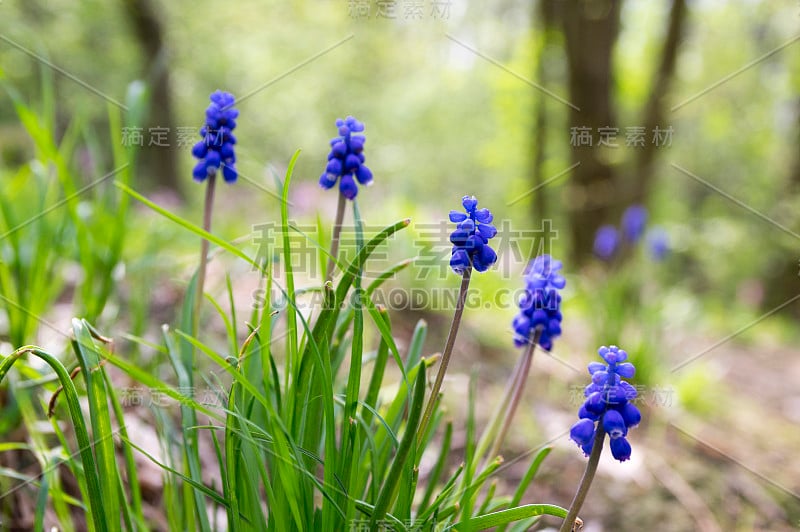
{"x": 540, "y": 306}
{"x": 608, "y": 401}
{"x": 606, "y": 242}
{"x": 471, "y": 237}
{"x": 633, "y": 223}
{"x": 346, "y": 159}
{"x": 658, "y": 243}
{"x": 216, "y": 151}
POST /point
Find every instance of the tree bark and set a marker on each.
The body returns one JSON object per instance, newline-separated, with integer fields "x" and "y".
{"x": 160, "y": 162}
{"x": 547, "y": 14}
{"x": 590, "y": 30}
{"x": 654, "y": 109}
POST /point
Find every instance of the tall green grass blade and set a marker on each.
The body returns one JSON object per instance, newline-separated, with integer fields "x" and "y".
{"x": 467, "y": 501}
{"x": 286, "y": 452}
{"x": 390, "y": 483}
{"x": 182, "y": 358}
{"x": 378, "y": 371}
{"x": 438, "y": 468}
{"x": 41, "y": 498}
{"x": 527, "y": 479}
{"x": 188, "y": 225}
{"x": 89, "y": 360}
{"x": 350, "y": 427}
{"x": 469, "y": 493}
{"x": 130, "y": 463}
{"x": 417, "y": 341}
{"x": 447, "y": 491}
{"x": 511, "y": 515}
{"x": 389, "y": 519}
{"x": 488, "y": 499}
{"x": 205, "y": 490}
{"x": 94, "y": 507}
{"x": 325, "y": 324}
{"x": 291, "y": 317}
{"x": 226, "y": 488}
{"x": 233, "y": 328}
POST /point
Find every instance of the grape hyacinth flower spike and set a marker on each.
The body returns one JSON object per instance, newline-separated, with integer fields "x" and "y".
{"x": 346, "y": 159}
{"x": 540, "y": 306}
{"x": 658, "y": 243}
{"x": 606, "y": 242}
{"x": 471, "y": 250}
{"x": 471, "y": 237}
{"x": 633, "y": 223}
{"x": 216, "y": 151}
{"x": 345, "y": 166}
{"x": 607, "y": 410}
{"x": 608, "y": 402}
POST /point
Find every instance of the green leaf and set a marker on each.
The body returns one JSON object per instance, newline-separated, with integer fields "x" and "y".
{"x": 95, "y": 500}
{"x": 89, "y": 359}
{"x": 502, "y": 517}
{"x": 527, "y": 479}
{"x": 391, "y": 482}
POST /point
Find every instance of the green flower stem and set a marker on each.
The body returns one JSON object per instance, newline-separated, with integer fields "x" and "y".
{"x": 448, "y": 351}
{"x": 337, "y": 229}
{"x": 201, "y": 272}
{"x": 489, "y": 433}
{"x": 586, "y": 481}
{"x": 516, "y": 390}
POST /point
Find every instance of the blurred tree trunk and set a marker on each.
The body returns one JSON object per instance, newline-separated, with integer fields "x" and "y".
{"x": 158, "y": 162}
{"x": 546, "y": 15}
{"x": 783, "y": 280}
{"x": 794, "y": 175}
{"x": 597, "y": 194}
{"x": 590, "y": 31}
{"x": 654, "y": 109}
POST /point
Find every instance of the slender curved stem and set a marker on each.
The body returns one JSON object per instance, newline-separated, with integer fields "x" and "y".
{"x": 586, "y": 481}
{"x": 337, "y": 230}
{"x": 448, "y": 351}
{"x": 516, "y": 391}
{"x": 489, "y": 433}
{"x": 201, "y": 272}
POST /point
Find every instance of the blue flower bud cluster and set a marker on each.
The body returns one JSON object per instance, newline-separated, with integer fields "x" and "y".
{"x": 471, "y": 237}
{"x": 346, "y": 159}
{"x": 608, "y": 402}
{"x": 608, "y": 240}
{"x": 540, "y": 306}
{"x": 216, "y": 148}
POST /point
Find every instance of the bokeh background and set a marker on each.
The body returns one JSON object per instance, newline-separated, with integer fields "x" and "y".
{"x": 468, "y": 98}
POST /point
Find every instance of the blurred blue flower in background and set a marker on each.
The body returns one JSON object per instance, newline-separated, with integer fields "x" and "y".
{"x": 634, "y": 220}
{"x": 658, "y": 243}
{"x": 606, "y": 241}
{"x": 216, "y": 148}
